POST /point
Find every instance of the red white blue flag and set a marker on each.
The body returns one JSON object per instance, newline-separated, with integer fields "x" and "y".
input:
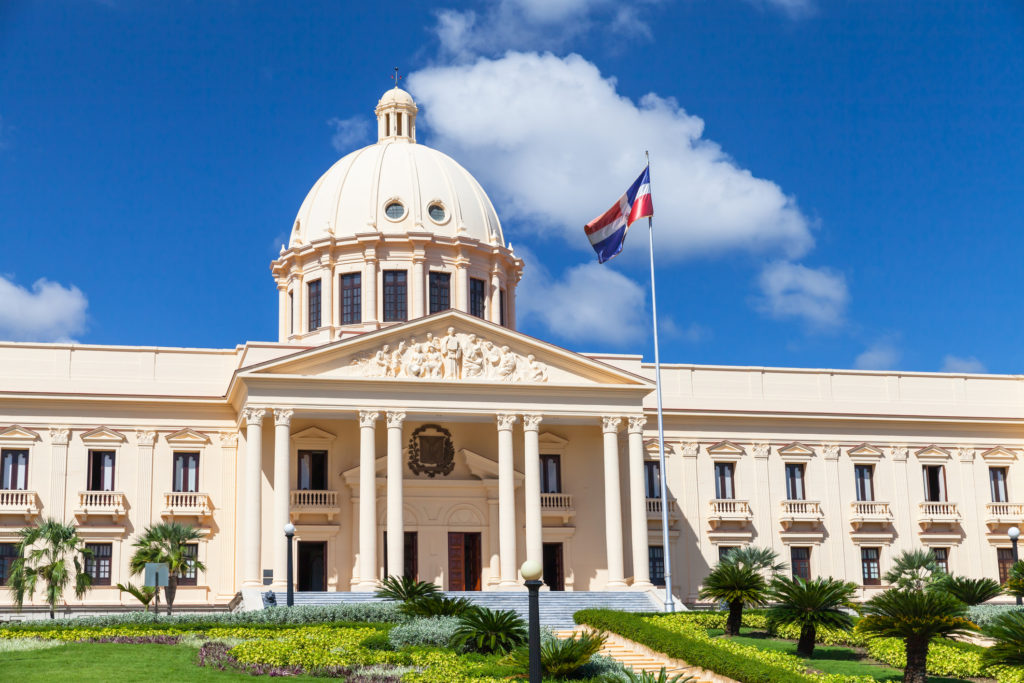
{"x": 607, "y": 233}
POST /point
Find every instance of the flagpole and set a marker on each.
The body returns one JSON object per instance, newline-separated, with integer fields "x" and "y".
{"x": 669, "y": 602}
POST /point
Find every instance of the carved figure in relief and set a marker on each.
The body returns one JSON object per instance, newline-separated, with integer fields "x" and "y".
{"x": 395, "y": 365}
{"x": 506, "y": 365}
{"x": 473, "y": 358}
{"x": 535, "y": 371}
{"x": 452, "y": 350}
{"x": 414, "y": 359}
{"x": 381, "y": 359}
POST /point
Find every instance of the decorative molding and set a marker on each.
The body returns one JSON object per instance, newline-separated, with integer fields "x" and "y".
{"x": 965, "y": 453}
{"x": 933, "y": 453}
{"x": 531, "y": 422}
{"x": 312, "y": 435}
{"x": 18, "y": 435}
{"x": 549, "y": 440}
{"x": 898, "y": 452}
{"x": 830, "y": 451}
{"x": 103, "y": 436}
{"x": 727, "y": 448}
{"x": 689, "y": 449}
{"x": 505, "y": 421}
{"x": 60, "y": 436}
{"x": 283, "y": 417}
{"x": 228, "y": 439}
{"x": 145, "y": 437}
{"x": 611, "y": 424}
{"x": 254, "y": 416}
{"x": 796, "y": 451}
{"x": 395, "y": 418}
{"x": 761, "y": 450}
{"x": 431, "y": 451}
{"x": 999, "y": 454}
{"x": 368, "y": 418}
{"x": 187, "y": 437}
{"x": 637, "y": 424}
{"x": 865, "y": 451}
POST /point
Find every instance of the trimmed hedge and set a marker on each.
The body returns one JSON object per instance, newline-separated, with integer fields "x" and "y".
{"x": 982, "y": 615}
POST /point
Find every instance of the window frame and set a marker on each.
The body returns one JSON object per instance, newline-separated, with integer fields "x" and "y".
{"x": 805, "y": 562}
{"x": 1004, "y": 561}
{"x": 395, "y": 299}
{"x": 477, "y": 297}
{"x": 942, "y": 561}
{"x": 183, "y": 456}
{"x": 93, "y": 452}
{"x": 502, "y": 308}
{"x": 545, "y": 480}
{"x": 725, "y": 484}
{"x": 96, "y": 562}
{"x": 864, "y": 494}
{"x": 656, "y": 564}
{"x": 8, "y": 554}
{"x": 439, "y": 286}
{"x": 792, "y": 482}
{"x": 943, "y": 492}
{"x": 18, "y": 471}
{"x": 314, "y": 305}
{"x": 999, "y": 490}
{"x": 350, "y": 298}
{"x": 185, "y": 579}
{"x": 308, "y": 454}
{"x": 652, "y": 479}
{"x": 871, "y": 565}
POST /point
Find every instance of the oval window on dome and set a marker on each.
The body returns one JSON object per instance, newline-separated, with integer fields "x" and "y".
{"x": 394, "y": 210}
{"x": 437, "y": 213}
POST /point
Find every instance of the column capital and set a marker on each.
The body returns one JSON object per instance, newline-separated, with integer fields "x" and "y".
{"x": 611, "y": 424}
{"x": 637, "y": 423}
{"x": 367, "y": 418}
{"x": 59, "y": 436}
{"x": 229, "y": 439}
{"x": 531, "y": 421}
{"x": 283, "y": 416}
{"x": 145, "y": 437}
{"x": 254, "y": 416}
{"x": 395, "y": 418}
{"x": 689, "y": 449}
{"x": 761, "y": 450}
{"x": 505, "y": 421}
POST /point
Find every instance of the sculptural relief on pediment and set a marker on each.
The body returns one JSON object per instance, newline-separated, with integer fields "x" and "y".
{"x": 450, "y": 357}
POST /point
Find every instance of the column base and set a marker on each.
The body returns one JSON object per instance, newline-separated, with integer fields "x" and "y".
{"x": 510, "y": 586}
{"x": 365, "y": 587}
{"x": 253, "y": 583}
{"x": 641, "y": 586}
{"x": 617, "y": 585}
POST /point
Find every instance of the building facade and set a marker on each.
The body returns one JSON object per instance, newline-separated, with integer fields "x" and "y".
{"x": 405, "y": 427}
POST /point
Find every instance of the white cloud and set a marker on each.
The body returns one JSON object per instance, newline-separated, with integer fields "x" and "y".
{"x": 881, "y": 355}
{"x": 49, "y": 312}
{"x": 958, "y": 364}
{"x": 555, "y": 144}
{"x": 790, "y": 290}
{"x": 349, "y": 133}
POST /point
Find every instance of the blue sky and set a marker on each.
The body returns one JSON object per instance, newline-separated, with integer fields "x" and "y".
{"x": 837, "y": 184}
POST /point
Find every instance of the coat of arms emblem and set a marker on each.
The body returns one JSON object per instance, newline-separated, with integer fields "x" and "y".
{"x": 431, "y": 451}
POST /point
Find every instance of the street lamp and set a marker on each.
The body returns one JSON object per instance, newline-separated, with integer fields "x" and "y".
{"x": 1014, "y": 533}
{"x": 289, "y": 532}
{"x": 532, "y": 571}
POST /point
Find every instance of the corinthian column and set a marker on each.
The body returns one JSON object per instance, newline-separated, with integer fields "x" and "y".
{"x": 396, "y": 521}
{"x": 146, "y": 439}
{"x": 282, "y": 495}
{"x": 367, "y": 501}
{"x": 531, "y": 484}
{"x": 613, "y": 503}
{"x": 250, "y": 537}
{"x": 638, "y": 503}
{"x": 59, "y": 437}
{"x": 506, "y": 502}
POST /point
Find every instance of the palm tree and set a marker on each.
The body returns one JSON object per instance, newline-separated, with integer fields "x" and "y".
{"x": 738, "y": 585}
{"x": 916, "y": 617}
{"x": 969, "y": 591}
{"x": 914, "y": 570}
{"x": 143, "y": 594}
{"x": 756, "y": 558}
{"x": 167, "y": 543}
{"x": 43, "y": 553}
{"x": 1008, "y": 631}
{"x": 811, "y": 604}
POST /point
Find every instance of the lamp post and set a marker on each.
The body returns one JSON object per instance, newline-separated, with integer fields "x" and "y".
{"x": 531, "y": 571}
{"x": 1014, "y": 533}
{"x": 289, "y": 532}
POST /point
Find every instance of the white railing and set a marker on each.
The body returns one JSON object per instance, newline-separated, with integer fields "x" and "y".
{"x": 19, "y": 503}
{"x": 800, "y": 511}
{"x": 865, "y": 511}
{"x": 935, "y": 512}
{"x": 556, "y": 501}
{"x": 654, "y": 506}
{"x": 1003, "y": 513}
{"x": 314, "y": 499}
{"x": 729, "y": 510}
{"x": 101, "y": 503}
{"x": 185, "y": 504}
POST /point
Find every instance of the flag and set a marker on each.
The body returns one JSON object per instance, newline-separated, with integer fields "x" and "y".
{"x": 607, "y": 233}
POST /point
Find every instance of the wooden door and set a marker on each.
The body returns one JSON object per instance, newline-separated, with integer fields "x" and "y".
{"x": 474, "y": 560}
{"x": 456, "y": 561}
{"x": 554, "y": 574}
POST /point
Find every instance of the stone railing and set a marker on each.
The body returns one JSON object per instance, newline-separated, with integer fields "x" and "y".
{"x": 794, "y": 511}
{"x": 559, "y": 505}
{"x": 112, "y": 503}
{"x": 729, "y": 510}
{"x": 934, "y": 512}
{"x": 654, "y": 506}
{"x": 1003, "y": 513}
{"x": 14, "y": 502}
{"x": 187, "y": 504}
{"x": 315, "y": 502}
{"x": 869, "y": 511}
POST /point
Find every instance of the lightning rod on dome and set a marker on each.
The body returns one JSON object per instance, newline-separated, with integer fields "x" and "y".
{"x": 396, "y": 77}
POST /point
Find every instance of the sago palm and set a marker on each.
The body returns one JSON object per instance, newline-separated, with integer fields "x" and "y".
{"x": 738, "y": 585}
{"x": 810, "y": 605}
{"x": 405, "y": 589}
{"x": 167, "y": 543}
{"x": 52, "y": 553}
{"x": 489, "y": 631}
{"x": 969, "y": 591}
{"x": 1007, "y": 630}
{"x": 914, "y": 570}
{"x": 756, "y": 558}
{"x": 916, "y": 617}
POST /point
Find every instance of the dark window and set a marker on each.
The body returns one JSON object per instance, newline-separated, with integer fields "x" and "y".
{"x": 395, "y": 307}
{"x": 794, "y": 481}
{"x": 101, "y": 471}
{"x": 351, "y": 298}
{"x": 800, "y": 560}
{"x": 656, "y": 564}
{"x": 15, "y": 469}
{"x": 186, "y": 472}
{"x": 869, "y": 566}
{"x": 440, "y": 292}
{"x": 942, "y": 558}
{"x": 8, "y": 554}
{"x": 864, "y": 477}
{"x": 724, "y": 550}
{"x": 189, "y": 578}
{"x": 313, "y": 290}
{"x": 1005, "y": 558}
{"x": 724, "y": 481}
{"x": 997, "y": 484}
{"x": 502, "y": 310}
{"x": 476, "y": 297}
{"x": 934, "y": 483}
{"x": 652, "y": 479}
{"x": 550, "y": 473}
{"x": 97, "y": 565}
{"x": 312, "y": 471}
{"x": 291, "y": 313}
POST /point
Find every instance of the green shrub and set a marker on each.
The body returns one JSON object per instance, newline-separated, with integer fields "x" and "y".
{"x": 484, "y": 630}
{"x": 945, "y": 657}
{"x": 434, "y": 631}
{"x": 969, "y": 591}
{"x": 437, "y": 606}
{"x": 984, "y": 615}
{"x": 562, "y": 657}
{"x": 601, "y": 667}
{"x": 405, "y": 589}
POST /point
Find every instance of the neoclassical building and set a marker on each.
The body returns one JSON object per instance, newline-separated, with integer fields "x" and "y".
{"x": 405, "y": 427}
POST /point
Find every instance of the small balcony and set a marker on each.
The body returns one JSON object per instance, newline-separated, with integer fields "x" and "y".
{"x": 112, "y": 504}
{"x": 25, "y": 503}
{"x": 729, "y": 510}
{"x": 998, "y": 514}
{"x": 800, "y": 511}
{"x": 307, "y": 502}
{"x": 654, "y": 508}
{"x": 187, "y": 504}
{"x": 931, "y": 513}
{"x": 557, "y": 505}
{"x": 869, "y": 512}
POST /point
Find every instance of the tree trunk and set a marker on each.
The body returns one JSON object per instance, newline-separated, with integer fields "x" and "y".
{"x": 732, "y": 624}
{"x": 51, "y": 612}
{"x": 917, "y": 656}
{"x": 169, "y": 591}
{"x": 805, "y": 646}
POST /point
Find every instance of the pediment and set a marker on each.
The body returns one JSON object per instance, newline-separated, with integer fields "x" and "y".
{"x": 447, "y": 347}
{"x": 796, "y": 450}
{"x": 16, "y": 435}
{"x": 549, "y": 440}
{"x": 726, "y": 449}
{"x": 932, "y": 452}
{"x": 999, "y": 454}
{"x": 865, "y": 451}
{"x": 103, "y": 436}
{"x": 187, "y": 437}
{"x": 313, "y": 436}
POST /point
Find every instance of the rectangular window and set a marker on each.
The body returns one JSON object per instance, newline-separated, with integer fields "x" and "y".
{"x": 800, "y": 561}
{"x": 724, "y": 550}
{"x": 656, "y": 564}
{"x": 312, "y": 471}
{"x": 723, "y": 481}
{"x": 477, "y": 297}
{"x": 395, "y": 306}
{"x": 869, "y": 566}
{"x": 186, "y": 472}
{"x": 440, "y": 292}
{"x": 101, "y": 471}
{"x": 190, "y": 577}
{"x": 98, "y": 564}
{"x": 942, "y": 558}
{"x": 794, "y": 481}
{"x": 313, "y": 304}
{"x": 14, "y": 474}
{"x": 864, "y": 477}
{"x": 997, "y": 484}
{"x": 550, "y": 473}
{"x": 652, "y": 478}
{"x": 503, "y": 311}
{"x": 1004, "y": 556}
{"x": 934, "y": 483}
{"x": 291, "y": 313}
{"x": 8, "y": 553}
{"x": 351, "y": 298}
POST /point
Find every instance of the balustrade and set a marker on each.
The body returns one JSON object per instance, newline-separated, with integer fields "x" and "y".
{"x": 937, "y": 512}
{"x": 187, "y": 504}
{"x": 18, "y": 502}
{"x": 729, "y": 510}
{"x": 113, "y": 503}
{"x": 868, "y": 511}
{"x": 314, "y": 502}
{"x": 997, "y": 514}
{"x": 794, "y": 511}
